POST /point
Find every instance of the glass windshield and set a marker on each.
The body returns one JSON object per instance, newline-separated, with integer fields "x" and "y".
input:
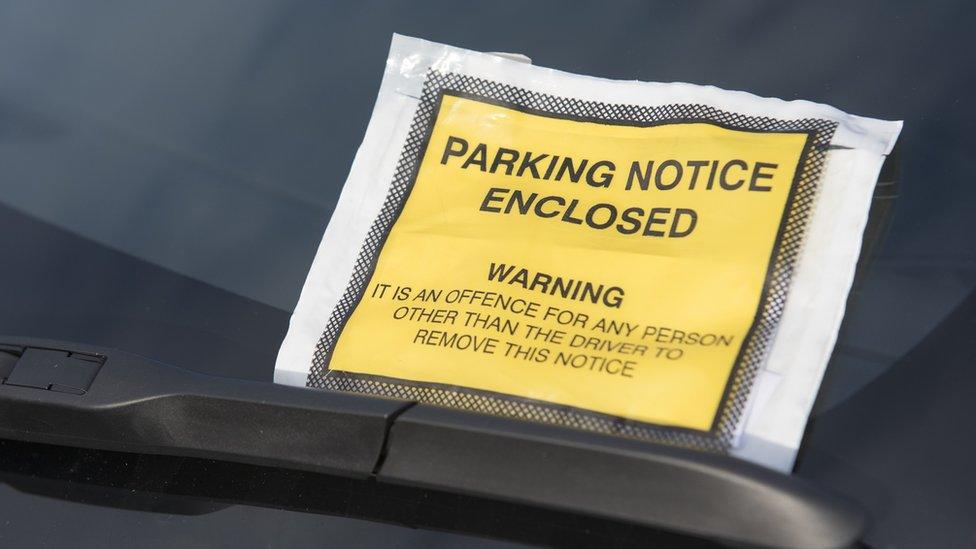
{"x": 167, "y": 171}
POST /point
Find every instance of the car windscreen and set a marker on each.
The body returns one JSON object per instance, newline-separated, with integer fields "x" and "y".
{"x": 167, "y": 171}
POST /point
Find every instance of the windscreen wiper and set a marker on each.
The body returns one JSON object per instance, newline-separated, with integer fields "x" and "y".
{"x": 83, "y": 396}
{"x": 77, "y": 395}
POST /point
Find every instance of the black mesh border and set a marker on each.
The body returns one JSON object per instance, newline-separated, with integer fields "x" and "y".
{"x": 789, "y": 241}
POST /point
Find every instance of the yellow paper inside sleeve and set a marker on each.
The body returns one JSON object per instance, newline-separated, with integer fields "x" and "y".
{"x": 663, "y": 356}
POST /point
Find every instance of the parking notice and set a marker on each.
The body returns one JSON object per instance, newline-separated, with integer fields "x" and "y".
{"x": 579, "y": 263}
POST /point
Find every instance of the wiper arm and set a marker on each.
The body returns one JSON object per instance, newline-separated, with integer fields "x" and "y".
{"x": 78, "y": 395}
{"x": 83, "y": 396}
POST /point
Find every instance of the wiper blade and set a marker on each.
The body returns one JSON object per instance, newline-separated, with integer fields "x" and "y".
{"x": 134, "y": 404}
{"x": 79, "y": 395}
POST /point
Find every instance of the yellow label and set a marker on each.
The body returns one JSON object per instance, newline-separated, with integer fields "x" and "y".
{"x": 627, "y": 292}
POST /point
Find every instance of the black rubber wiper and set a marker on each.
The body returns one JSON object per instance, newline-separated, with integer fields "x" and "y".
{"x": 78, "y": 395}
